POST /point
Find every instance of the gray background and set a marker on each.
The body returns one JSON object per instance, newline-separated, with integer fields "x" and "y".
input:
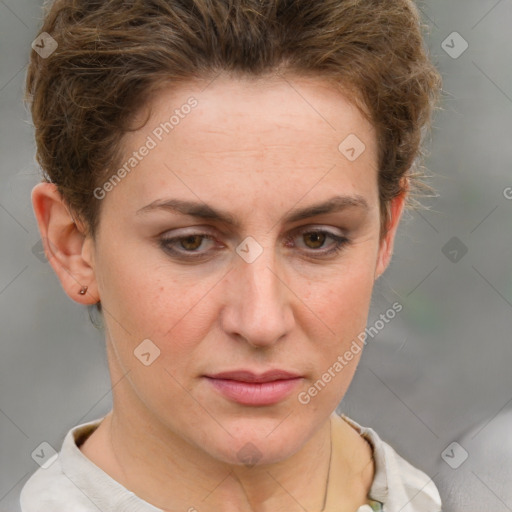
{"x": 438, "y": 373}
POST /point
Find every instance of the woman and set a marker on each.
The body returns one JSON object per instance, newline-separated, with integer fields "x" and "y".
{"x": 224, "y": 181}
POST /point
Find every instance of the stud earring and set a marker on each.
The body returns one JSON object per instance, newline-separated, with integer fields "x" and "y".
{"x": 83, "y": 290}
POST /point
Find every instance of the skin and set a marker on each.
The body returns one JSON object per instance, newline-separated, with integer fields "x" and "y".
{"x": 256, "y": 149}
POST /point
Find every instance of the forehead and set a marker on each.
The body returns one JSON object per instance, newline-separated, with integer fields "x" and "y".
{"x": 257, "y": 136}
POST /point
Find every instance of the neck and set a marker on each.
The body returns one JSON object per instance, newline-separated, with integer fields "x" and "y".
{"x": 179, "y": 476}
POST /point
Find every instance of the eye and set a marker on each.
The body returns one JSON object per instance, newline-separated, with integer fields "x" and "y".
{"x": 315, "y": 239}
{"x": 186, "y": 247}
{"x": 192, "y": 242}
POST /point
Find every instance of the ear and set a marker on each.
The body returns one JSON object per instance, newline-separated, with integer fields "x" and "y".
{"x": 396, "y": 207}
{"x": 67, "y": 249}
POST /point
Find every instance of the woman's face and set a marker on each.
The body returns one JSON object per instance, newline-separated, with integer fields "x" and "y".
{"x": 231, "y": 275}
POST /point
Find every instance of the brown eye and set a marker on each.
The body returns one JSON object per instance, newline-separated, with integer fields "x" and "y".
{"x": 192, "y": 242}
{"x": 195, "y": 245}
{"x": 316, "y": 237}
{"x": 315, "y": 242}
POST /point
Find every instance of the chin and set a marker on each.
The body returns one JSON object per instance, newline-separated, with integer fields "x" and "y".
{"x": 253, "y": 447}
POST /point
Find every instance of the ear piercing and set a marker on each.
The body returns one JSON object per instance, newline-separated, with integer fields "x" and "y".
{"x": 83, "y": 290}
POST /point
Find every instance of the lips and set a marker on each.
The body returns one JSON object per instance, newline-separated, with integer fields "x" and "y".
{"x": 248, "y": 388}
{"x": 248, "y": 376}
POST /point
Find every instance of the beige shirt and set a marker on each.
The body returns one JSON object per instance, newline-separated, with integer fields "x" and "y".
{"x": 72, "y": 482}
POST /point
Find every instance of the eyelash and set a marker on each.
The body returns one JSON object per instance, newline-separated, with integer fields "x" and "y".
{"x": 340, "y": 242}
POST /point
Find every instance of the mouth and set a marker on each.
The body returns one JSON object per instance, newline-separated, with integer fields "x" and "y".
{"x": 248, "y": 388}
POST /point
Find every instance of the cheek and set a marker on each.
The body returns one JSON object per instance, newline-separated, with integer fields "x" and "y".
{"x": 151, "y": 301}
{"x": 144, "y": 293}
{"x": 342, "y": 306}
{"x": 343, "y": 300}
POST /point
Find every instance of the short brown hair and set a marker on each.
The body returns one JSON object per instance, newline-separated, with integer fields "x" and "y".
{"x": 113, "y": 54}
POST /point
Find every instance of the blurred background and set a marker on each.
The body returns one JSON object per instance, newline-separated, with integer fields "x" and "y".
{"x": 435, "y": 382}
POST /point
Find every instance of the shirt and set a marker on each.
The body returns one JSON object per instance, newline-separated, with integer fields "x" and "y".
{"x": 72, "y": 482}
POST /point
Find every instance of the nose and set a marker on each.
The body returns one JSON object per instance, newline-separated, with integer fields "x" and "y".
{"x": 258, "y": 307}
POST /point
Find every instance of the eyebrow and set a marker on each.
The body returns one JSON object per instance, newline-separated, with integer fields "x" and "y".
{"x": 205, "y": 211}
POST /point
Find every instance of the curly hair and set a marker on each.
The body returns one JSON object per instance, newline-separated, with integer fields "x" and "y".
{"x": 113, "y": 55}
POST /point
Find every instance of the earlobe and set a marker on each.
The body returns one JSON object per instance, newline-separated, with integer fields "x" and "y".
{"x": 64, "y": 244}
